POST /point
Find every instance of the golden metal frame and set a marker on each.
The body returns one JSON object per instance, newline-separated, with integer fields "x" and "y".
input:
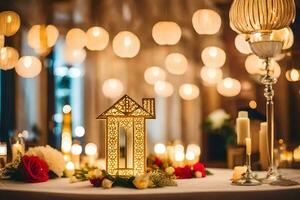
{"x": 131, "y": 114}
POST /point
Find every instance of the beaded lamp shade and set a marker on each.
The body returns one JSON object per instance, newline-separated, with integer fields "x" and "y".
{"x": 248, "y": 16}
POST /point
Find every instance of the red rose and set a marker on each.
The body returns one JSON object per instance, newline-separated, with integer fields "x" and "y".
{"x": 183, "y": 172}
{"x": 199, "y": 167}
{"x": 158, "y": 162}
{"x": 33, "y": 169}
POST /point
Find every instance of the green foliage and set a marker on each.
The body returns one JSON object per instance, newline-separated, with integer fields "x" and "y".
{"x": 162, "y": 179}
{"x": 226, "y": 130}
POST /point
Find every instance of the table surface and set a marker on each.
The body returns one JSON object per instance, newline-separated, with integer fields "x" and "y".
{"x": 212, "y": 187}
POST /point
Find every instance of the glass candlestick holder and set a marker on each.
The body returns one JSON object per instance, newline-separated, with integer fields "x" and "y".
{"x": 249, "y": 179}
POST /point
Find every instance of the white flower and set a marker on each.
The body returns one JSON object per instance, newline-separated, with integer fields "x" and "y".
{"x": 142, "y": 181}
{"x": 106, "y": 183}
{"x": 238, "y": 172}
{"x": 51, "y": 156}
{"x": 217, "y": 118}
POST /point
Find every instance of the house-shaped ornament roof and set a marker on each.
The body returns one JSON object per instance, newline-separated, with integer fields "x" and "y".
{"x": 127, "y": 107}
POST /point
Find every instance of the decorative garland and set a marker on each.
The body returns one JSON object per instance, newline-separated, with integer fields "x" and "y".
{"x": 100, "y": 178}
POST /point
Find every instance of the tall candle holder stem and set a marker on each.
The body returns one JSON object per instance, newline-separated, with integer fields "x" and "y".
{"x": 268, "y": 80}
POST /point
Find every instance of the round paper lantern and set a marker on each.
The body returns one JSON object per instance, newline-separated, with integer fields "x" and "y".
{"x": 67, "y": 109}
{"x": 255, "y": 65}
{"x": 2, "y": 41}
{"x": 206, "y": 21}
{"x": 211, "y": 75}
{"x": 76, "y": 38}
{"x": 112, "y": 88}
{"x": 188, "y": 91}
{"x": 8, "y": 58}
{"x": 241, "y": 44}
{"x": 213, "y": 56}
{"x": 79, "y": 131}
{"x": 126, "y": 44}
{"x": 166, "y": 33}
{"x": 293, "y": 75}
{"x": 176, "y": 63}
{"x": 287, "y": 36}
{"x": 9, "y": 23}
{"x": 74, "y": 56}
{"x": 97, "y": 38}
{"x": 42, "y": 36}
{"x": 154, "y": 74}
{"x": 229, "y": 87}
{"x": 28, "y": 66}
{"x": 163, "y": 88}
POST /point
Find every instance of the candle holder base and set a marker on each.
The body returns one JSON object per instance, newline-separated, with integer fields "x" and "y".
{"x": 276, "y": 179}
{"x": 248, "y": 180}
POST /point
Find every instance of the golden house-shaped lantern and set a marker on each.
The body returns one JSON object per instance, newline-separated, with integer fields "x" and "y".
{"x": 125, "y": 120}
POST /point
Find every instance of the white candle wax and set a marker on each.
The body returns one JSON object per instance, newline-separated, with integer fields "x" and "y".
{"x": 17, "y": 148}
{"x": 263, "y": 146}
{"x": 70, "y": 169}
{"x": 3, "y": 150}
{"x": 297, "y": 154}
{"x": 248, "y": 145}
{"x": 160, "y": 150}
{"x": 242, "y": 127}
{"x": 170, "y": 152}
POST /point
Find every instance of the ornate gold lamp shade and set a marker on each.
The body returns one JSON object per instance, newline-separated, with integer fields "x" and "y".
{"x": 262, "y": 20}
{"x": 249, "y": 16}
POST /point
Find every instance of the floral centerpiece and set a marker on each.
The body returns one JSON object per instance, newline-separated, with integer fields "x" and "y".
{"x": 39, "y": 164}
{"x": 100, "y": 178}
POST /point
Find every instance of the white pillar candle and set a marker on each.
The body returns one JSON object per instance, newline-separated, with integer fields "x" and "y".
{"x": 190, "y": 157}
{"x": 3, "y": 154}
{"x": 196, "y": 150}
{"x": 160, "y": 150}
{"x": 248, "y": 146}
{"x": 297, "y": 154}
{"x": 263, "y": 146}
{"x": 70, "y": 169}
{"x": 178, "y": 155}
{"x": 3, "y": 149}
{"x": 242, "y": 127}
{"x": 91, "y": 152}
{"x": 76, "y": 151}
{"x": 170, "y": 152}
{"x": 17, "y": 148}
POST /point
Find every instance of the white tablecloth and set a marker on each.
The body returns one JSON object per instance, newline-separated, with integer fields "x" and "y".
{"x": 213, "y": 187}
